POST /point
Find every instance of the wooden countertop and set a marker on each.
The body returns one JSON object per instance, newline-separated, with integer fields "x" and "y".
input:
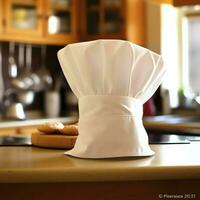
{"x": 31, "y": 165}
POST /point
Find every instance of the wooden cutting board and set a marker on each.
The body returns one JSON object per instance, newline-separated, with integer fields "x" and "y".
{"x": 53, "y": 140}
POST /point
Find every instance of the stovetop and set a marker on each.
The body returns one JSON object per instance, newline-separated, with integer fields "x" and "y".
{"x": 154, "y": 138}
{"x": 15, "y": 141}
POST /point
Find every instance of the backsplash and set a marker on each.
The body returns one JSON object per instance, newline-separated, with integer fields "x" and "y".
{"x": 59, "y": 85}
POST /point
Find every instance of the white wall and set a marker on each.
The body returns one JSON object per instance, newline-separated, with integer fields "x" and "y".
{"x": 163, "y": 35}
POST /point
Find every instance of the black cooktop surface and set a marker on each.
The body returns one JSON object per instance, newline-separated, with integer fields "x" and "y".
{"x": 154, "y": 138}
{"x": 15, "y": 141}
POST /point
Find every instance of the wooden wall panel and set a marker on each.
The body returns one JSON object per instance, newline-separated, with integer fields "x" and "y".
{"x": 135, "y": 22}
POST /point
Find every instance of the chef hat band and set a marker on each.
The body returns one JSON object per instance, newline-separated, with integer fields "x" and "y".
{"x": 100, "y": 106}
{"x": 110, "y": 126}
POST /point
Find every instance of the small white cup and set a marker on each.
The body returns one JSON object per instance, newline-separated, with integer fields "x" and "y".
{"x": 52, "y": 104}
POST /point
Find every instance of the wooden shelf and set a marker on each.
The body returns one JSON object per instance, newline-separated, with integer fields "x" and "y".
{"x": 104, "y": 36}
{"x": 60, "y": 7}
{"x": 177, "y": 2}
{"x": 29, "y": 3}
{"x": 63, "y": 39}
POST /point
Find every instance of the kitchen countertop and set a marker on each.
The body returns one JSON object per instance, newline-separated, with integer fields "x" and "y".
{"x": 189, "y": 124}
{"x": 32, "y": 165}
{"x": 31, "y": 122}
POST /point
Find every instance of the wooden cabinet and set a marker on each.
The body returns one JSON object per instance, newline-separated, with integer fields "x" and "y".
{"x": 113, "y": 19}
{"x": 23, "y": 17}
{"x": 38, "y": 21}
{"x": 177, "y": 2}
{"x": 103, "y": 18}
{"x": 58, "y": 22}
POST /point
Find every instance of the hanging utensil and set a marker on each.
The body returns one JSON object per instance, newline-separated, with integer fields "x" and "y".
{"x": 27, "y": 97}
{"x": 47, "y": 80}
{"x": 12, "y": 68}
{"x": 34, "y": 76}
{"x": 23, "y": 81}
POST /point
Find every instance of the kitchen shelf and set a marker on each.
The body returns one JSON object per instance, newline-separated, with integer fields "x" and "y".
{"x": 59, "y": 7}
{"x": 177, "y": 2}
{"x": 29, "y": 3}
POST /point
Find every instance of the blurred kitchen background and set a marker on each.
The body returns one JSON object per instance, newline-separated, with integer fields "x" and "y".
{"x": 31, "y": 32}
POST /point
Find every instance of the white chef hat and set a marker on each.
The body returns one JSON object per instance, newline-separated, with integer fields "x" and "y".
{"x": 112, "y": 80}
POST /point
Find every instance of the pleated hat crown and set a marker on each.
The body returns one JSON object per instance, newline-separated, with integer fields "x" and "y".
{"x": 111, "y": 67}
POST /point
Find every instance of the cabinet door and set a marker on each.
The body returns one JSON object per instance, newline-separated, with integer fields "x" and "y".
{"x": 23, "y": 17}
{"x": 60, "y": 23}
{"x": 103, "y": 18}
